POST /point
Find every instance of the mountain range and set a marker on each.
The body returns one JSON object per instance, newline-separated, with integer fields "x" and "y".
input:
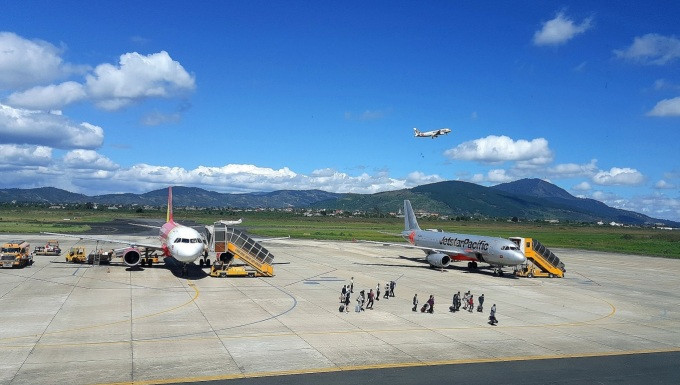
{"x": 532, "y": 199}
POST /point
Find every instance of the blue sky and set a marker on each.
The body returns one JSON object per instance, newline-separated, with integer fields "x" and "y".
{"x": 100, "y": 97}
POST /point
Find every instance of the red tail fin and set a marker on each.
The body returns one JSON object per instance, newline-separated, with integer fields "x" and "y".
{"x": 169, "y": 218}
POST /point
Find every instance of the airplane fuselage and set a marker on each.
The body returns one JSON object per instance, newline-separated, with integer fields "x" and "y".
{"x": 497, "y": 252}
{"x": 180, "y": 242}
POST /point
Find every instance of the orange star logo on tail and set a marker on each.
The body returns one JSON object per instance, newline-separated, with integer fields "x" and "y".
{"x": 412, "y": 237}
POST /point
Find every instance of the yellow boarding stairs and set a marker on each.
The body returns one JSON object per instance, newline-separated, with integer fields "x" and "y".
{"x": 542, "y": 261}
{"x": 230, "y": 244}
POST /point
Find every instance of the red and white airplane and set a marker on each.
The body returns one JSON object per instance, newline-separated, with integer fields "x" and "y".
{"x": 182, "y": 243}
{"x": 432, "y": 134}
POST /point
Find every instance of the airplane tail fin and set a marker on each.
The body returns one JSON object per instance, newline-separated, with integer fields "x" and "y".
{"x": 415, "y": 131}
{"x": 410, "y": 222}
{"x": 169, "y": 218}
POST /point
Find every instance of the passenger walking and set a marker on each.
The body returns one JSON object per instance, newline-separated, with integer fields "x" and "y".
{"x": 347, "y": 302}
{"x": 377, "y": 292}
{"x": 480, "y": 308}
{"x": 351, "y": 285}
{"x": 453, "y": 305}
{"x": 362, "y": 295}
{"x": 466, "y": 299}
{"x": 415, "y": 302}
{"x": 387, "y": 291}
{"x": 471, "y": 303}
{"x": 392, "y": 285}
{"x": 430, "y": 302}
{"x": 371, "y": 295}
{"x": 343, "y": 293}
{"x": 457, "y": 296}
{"x": 492, "y": 316}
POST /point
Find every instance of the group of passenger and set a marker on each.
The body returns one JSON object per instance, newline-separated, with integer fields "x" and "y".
{"x": 364, "y": 300}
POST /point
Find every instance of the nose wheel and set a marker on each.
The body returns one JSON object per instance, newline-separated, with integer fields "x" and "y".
{"x": 498, "y": 271}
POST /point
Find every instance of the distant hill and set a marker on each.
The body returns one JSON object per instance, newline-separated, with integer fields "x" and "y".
{"x": 527, "y": 199}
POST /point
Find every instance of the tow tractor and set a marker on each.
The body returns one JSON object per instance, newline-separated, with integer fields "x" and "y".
{"x": 76, "y": 255}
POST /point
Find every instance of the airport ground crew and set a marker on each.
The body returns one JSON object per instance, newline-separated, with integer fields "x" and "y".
{"x": 415, "y": 302}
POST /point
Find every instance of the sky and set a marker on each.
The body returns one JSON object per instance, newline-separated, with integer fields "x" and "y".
{"x": 244, "y": 96}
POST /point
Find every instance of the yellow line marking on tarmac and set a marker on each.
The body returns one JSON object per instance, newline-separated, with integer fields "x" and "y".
{"x": 286, "y": 334}
{"x": 389, "y": 366}
{"x": 196, "y": 294}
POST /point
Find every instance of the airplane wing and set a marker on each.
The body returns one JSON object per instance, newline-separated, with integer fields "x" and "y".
{"x": 109, "y": 240}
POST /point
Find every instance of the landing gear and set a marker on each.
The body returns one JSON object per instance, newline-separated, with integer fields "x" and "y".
{"x": 185, "y": 270}
{"x": 204, "y": 262}
{"x": 498, "y": 271}
{"x": 472, "y": 265}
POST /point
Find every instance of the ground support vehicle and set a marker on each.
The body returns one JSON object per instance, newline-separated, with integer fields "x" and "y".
{"x": 541, "y": 262}
{"x": 230, "y": 244}
{"x": 16, "y": 254}
{"x": 51, "y": 248}
{"x": 76, "y": 255}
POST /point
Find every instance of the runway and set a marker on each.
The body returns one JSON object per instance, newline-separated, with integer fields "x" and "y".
{"x": 76, "y": 324}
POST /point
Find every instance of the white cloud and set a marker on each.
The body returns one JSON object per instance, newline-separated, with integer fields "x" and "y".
{"x": 663, "y": 185}
{"x": 136, "y": 78}
{"x": 498, "y": 176}
{"x": 88, "y": 160}
{"x": 418, "y": 178}
{"x": 618, "y": 176}
{"x": 23, "y": 126}
{"x": 16, "y": 156}
{"x": 583, "y": 186}
{"x": 560, "y": 30}
{"x": 666, "y": 107}
{"x": 652, "y": 48}
{"x": 571, "y": 170}
{"x": 498, "y": 149}
{"x": 24, "y": 63}
{"x": 48, "y": 97}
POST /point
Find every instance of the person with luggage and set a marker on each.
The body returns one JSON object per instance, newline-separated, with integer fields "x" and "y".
{"x": 492, "y": 316}
{"x": 430, "y": 303}
{"x": 347, "y": 302}
{"x": 471, "y": 303}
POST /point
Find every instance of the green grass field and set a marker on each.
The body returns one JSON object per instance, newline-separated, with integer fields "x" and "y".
{"x": 645, "y": 241}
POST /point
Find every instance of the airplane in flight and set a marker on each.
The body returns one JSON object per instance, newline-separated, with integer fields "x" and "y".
{"x": 442, "y": 248}
{"x": 432, "y": 134}
{"x": 183, "y": 244}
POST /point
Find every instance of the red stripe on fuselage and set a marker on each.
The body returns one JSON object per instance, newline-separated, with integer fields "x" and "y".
{"x": 165, "y": 231}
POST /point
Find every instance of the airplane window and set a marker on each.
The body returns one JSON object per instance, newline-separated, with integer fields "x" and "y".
{"x": 185, "y": 240}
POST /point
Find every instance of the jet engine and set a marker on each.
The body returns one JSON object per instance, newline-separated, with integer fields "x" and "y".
{"x": 131, "y": 256}
{"x": 438, "y": 259}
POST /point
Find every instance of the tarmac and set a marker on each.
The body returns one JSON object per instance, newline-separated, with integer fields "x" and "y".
{"x": 79, "y": 324}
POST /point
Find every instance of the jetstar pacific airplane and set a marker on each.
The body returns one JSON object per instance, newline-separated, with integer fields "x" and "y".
{"x": 182, "y": 243}
{"x": 442, "y": 248}
{"x": 432, "y": 134}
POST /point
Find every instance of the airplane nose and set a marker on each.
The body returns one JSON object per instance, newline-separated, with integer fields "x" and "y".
{"x": 520, "y": 258}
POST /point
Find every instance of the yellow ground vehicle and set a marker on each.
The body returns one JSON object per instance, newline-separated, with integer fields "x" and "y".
{"x": 541, "y": 262}
{"x": 76, "y": 255}
{"x": 16, "y": 254}
{"x": 219, "y": 269}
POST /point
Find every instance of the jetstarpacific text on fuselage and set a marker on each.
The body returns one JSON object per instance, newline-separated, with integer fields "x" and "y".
{"x": 464, "y": 243}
